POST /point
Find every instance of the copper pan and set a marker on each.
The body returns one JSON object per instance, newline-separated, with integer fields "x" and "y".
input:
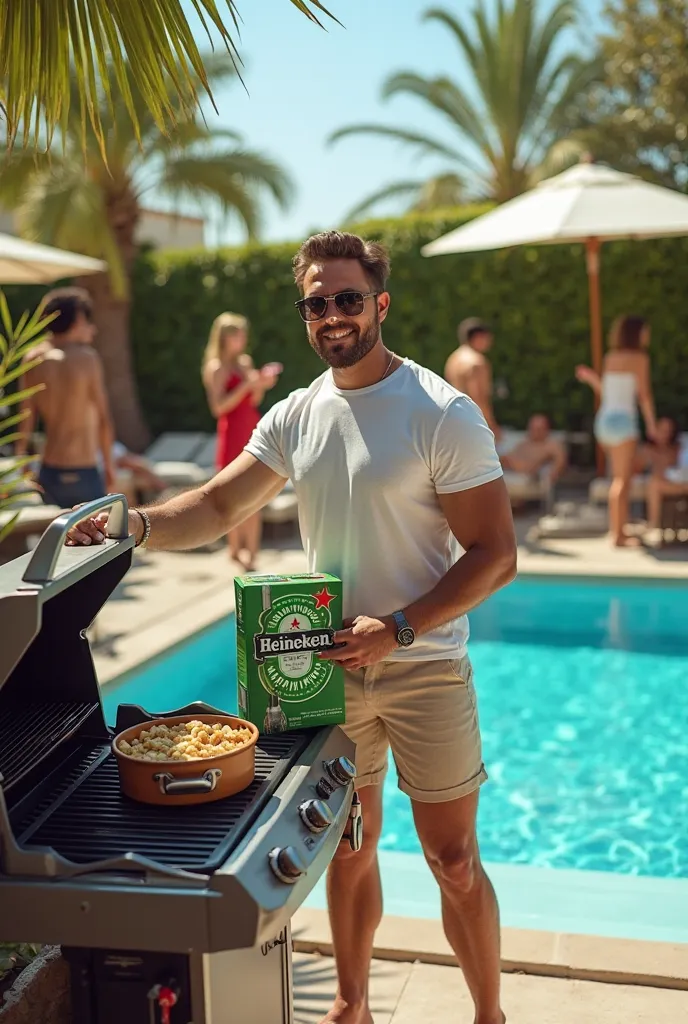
{"x": 187, "y": 782}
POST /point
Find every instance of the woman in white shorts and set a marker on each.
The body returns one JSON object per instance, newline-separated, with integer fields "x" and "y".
{"x": 623, "y": 388}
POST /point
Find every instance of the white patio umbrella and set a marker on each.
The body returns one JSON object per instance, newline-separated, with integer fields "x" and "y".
{"x": 589, "y": 203}
{"x": 24, "y": 262}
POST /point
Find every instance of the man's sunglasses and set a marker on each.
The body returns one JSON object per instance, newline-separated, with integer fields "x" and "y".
{"x": 314, "y": 307}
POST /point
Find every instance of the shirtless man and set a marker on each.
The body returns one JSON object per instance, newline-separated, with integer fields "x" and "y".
{"x": 468, "y": 369}
{"x": 72, "y": 406}
{"x": 538, "y": 449}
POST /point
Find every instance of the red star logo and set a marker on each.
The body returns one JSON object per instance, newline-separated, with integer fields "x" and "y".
{"x": 322, "y": 600}
{"x": 295, "y": 624}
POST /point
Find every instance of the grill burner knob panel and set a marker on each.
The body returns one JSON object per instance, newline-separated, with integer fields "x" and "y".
{"x": 316, "y": 815}
{"x": 286, "y": 864}
{"x": 341, "y": 771}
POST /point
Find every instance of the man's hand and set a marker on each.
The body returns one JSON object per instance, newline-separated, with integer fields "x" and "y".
{"x": 367, "y": 640}
{"x": 94, "y": 529}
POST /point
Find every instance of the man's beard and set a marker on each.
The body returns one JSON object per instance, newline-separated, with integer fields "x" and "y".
{"x": 341, "y": 356}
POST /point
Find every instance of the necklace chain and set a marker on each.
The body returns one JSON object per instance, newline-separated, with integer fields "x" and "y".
{"x": 389, "y": 366}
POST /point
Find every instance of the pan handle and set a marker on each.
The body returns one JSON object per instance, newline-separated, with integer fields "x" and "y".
{"x": 41, "y": 567}
{"x": 184, "y": 787}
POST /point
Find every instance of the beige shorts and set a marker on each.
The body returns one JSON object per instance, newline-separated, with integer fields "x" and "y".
{"x": 426, "y": 711}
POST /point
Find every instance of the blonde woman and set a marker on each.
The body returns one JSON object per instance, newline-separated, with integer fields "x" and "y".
{"x": 623, "y": 388}
{"x": 235, "y": 389}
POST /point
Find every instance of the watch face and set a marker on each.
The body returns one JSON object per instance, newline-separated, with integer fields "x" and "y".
{"x": 406, "y": 636}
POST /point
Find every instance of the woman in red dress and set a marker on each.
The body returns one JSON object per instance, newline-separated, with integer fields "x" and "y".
{"x": 235, "y": 389}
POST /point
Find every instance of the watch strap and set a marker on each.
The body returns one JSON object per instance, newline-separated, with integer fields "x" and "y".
{"x": 400, "y": 621}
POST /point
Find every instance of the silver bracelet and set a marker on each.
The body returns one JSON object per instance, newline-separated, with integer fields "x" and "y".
{"x": 146, "y": 527}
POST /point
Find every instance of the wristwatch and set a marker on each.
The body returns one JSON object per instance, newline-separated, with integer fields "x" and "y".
{"x": 405, "y": 633}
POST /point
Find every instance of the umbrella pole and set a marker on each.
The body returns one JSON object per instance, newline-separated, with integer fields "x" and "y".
{"x": 592, "y": 259}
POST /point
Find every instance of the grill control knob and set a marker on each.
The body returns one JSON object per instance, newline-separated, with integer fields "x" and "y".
{"x": 286, "y": 864}
{"x": 341, "y": 771}
{"x": 316, "y": 815}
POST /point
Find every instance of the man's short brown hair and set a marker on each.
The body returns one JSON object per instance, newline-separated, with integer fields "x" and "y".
{"x": 340, "y": 245}
{"x": 468, "y": 329}
{"x": 67, "y": 303}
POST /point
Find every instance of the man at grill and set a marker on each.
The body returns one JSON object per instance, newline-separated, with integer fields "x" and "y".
{"x": 401, "y": 495}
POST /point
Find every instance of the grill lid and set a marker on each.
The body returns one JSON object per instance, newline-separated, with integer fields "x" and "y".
{"x": 48, "y": 685}
{"x": 28, "y": 582}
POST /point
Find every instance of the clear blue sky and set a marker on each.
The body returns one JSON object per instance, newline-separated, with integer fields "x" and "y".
{"x": 304, "y": 83}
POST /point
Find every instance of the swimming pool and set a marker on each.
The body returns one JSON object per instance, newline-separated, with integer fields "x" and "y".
{"x": 583, "y": 696}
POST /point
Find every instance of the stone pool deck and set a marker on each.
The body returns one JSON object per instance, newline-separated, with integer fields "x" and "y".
{"x": 409, "y": 992}
{"x": 552, "y": 977}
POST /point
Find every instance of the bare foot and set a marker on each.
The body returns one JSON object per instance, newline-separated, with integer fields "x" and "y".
{"x": 247, "y": 561}
{"x": 346, "y": 1013}
{"x": 626, "y": 542}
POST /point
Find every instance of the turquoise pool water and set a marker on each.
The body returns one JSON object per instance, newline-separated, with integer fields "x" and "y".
{"x": 583, "y": 698}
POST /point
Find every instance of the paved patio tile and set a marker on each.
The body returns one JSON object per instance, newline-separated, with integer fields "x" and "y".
{"x": 438, "y": 995}
{"x": 315, "y": 984}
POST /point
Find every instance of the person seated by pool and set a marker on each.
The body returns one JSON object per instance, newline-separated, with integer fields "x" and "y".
{"x": 667, "y": 461}
{"x": 656, "y": 457}
{"x": 537, "y": 450}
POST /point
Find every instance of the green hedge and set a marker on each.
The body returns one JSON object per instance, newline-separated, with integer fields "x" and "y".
{"x": 536, "y": 298}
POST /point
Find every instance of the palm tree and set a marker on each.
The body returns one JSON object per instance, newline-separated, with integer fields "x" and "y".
{"x": 88, "y": 197}
{"x": 44, "y": 43}
{"x": 523, "y": 84}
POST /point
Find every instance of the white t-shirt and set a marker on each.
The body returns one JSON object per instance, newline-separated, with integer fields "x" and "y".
{"x": 367, "y": 466}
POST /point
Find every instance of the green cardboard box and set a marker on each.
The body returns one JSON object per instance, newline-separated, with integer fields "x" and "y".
{"x": 282, "y": 623}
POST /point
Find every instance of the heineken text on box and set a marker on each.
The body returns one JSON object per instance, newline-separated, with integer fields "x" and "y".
{"x": 283, "y": 622}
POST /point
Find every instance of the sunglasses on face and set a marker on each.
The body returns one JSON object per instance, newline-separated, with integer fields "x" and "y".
{"x": 315, "y": 307}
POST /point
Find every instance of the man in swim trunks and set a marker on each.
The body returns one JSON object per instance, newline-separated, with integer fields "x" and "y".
{"x": 468, "y": 368}
{"x": 72, "y": 405}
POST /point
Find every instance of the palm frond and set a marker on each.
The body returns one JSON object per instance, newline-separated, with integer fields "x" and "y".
{"x": 393, "y": 191}
{"x": 209, "y": 171}
{"x": 427, "y": 145}
{"x": 457, "y": 30}
{"x": 15, "y": 342}
{"x": 445, "y": 97}
{"x": 155, "y": 37}
{"x": 235, "y": 179}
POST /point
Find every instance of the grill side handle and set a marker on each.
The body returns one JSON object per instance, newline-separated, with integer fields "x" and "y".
{"x": 41, "y": 567}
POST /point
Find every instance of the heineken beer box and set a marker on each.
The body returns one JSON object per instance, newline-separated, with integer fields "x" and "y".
{"x": 282, "y": 624}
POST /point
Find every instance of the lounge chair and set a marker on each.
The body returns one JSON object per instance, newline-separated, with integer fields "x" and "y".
{"x": 523, "y": 487}
{"x": 283, "y": 509}
{"x": 33, "y": 518}
{"x": 599, "y": 488}
{"x": 174, "y": 458}
{"x": 598, "y": 492}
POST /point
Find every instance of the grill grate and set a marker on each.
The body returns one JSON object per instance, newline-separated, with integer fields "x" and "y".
{"x": 27, "y": 732}
{"x": 96, "y": 821}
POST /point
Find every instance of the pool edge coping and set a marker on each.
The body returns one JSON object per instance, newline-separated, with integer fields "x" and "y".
{"x": 540, "y": 953}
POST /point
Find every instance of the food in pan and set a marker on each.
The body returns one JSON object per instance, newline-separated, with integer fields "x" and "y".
{"x": 190, "y": 741}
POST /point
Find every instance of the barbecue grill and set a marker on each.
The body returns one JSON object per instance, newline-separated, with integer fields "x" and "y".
{"x": 167, "y": 915}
